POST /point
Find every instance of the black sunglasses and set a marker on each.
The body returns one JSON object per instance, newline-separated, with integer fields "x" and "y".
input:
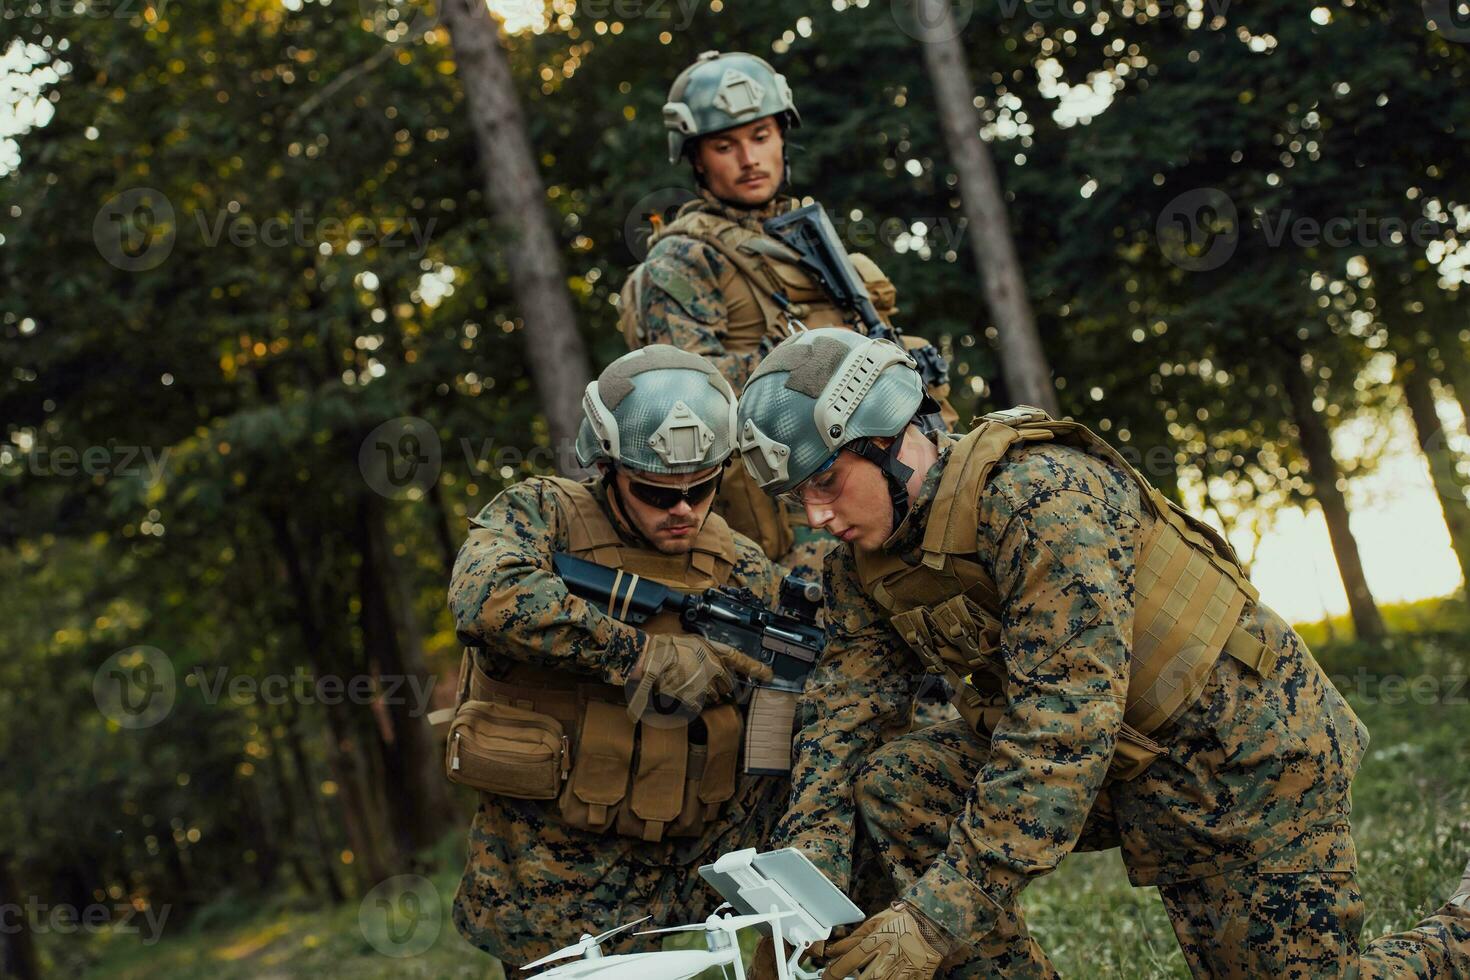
{"x": 668, "y": 497}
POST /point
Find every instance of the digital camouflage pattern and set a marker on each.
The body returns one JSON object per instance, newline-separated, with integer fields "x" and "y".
{"x": 683, "y": 304}
{"x": 1254, "y": 767}
{"x": 531, "y": 885}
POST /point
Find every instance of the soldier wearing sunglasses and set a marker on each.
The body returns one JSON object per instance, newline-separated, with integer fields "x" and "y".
{"x": 628, "y": 806}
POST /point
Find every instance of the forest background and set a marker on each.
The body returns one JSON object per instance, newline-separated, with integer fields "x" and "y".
{"x": 292, "y": 288}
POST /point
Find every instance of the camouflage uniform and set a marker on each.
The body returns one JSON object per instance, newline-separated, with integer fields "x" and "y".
{"x": 1242, "y": 821}
{"x": 678, "y": 299}
{"x": 530, "y": 884}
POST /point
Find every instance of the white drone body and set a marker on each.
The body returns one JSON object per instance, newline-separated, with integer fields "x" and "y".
{"x": 781, "y": 891}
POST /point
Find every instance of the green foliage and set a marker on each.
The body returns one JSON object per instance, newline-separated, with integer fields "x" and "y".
{"x": 252, "y": 368}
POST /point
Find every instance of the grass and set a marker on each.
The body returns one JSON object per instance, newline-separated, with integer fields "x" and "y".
{"x": 1411, "y": 822}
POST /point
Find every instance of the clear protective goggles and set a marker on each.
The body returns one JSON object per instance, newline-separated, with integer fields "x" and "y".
{"x": 822, "y": 487}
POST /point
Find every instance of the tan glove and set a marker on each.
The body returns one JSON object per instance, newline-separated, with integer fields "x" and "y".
{"x": 763, "y": 962}
{"x": 896, "y": 944}
{"x": 689, "y": 669}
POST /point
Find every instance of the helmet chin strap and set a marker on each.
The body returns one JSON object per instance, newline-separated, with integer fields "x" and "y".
{"x": 897, "y": 474}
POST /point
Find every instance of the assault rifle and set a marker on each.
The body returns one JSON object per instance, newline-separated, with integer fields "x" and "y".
{"x": 787, "y": 642}
{"x": 809, "y": 232}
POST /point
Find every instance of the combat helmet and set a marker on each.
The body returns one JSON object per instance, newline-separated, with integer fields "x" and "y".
{"x": 659, "y": 410}
{"x": 720, "y": 91}
{"x": 821, "y": 391}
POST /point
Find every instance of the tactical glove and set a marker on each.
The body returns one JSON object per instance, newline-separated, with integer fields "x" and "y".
{"x": 896, "y": 944}
{"x": 688, "y": 669}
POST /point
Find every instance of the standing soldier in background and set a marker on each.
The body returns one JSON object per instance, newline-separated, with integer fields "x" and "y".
{"x": 1119, "y": 682}
{"x": 718, "y": 284}
{"x": 594, "y": 811}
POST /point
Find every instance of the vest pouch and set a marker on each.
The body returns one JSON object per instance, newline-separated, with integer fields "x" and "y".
{"x": 691, "y": 813}
{"x": 657, "y": 792}
{"x": 599, "y": 779}
{"x": 504, "y": 750}
{"x": 1134, "y": 752}
{"x": 723, "y": 728}
{"x": 964, "y": 634}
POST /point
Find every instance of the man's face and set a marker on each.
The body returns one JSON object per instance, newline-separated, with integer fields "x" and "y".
{"x": 861, "y": 512}
{"x": 671, "y": 530}
{"x": 743, "y": 166}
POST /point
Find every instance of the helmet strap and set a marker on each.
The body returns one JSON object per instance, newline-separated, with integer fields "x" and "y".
{"x": 896, "y": 473}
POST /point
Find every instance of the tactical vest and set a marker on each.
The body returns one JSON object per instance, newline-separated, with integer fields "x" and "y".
{"x": 604, "y": 770}
{"x": 1189, "y": 593}
{"x": 761, "y": 266}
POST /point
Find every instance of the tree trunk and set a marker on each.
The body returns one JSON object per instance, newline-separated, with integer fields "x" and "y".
{"x": 1022, "y": 360}
{"x": 513, "y": 188}
{"x": 17, "y": 946}
{"x": 1316, "y": 445}
{"x": 417, "y": 792}
{"x": 1433, "y": 442}
{"x": 374, "y": 856}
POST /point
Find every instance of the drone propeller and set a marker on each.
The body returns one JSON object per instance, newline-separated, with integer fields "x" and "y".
{"x": 583, "y": 945}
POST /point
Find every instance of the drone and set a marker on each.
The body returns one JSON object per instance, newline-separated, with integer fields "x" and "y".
{"x": 780, "y": 892}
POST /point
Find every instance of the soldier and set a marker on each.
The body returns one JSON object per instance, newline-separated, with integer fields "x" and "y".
{"x": 593, "y": 810}
{"x": 1119, "y": 682}
{"x": 716, "y": 283}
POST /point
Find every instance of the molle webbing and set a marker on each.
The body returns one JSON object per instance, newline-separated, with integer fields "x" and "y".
{"x": 753, "y": 265}
{"x": 1190, "y": 589}
{"x": 630, "y": 778}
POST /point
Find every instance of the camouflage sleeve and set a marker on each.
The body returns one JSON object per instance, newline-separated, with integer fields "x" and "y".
{"x": 505, "y": 596}
{"x": 680, "y": 303}
{"x": 858, "y": 694}
{"x": 754, "y": 571}
{"x": 1062, "y": 541}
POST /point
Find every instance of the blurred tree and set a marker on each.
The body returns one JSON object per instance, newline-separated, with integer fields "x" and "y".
{"x": 514, "y": 188}
{"x": 1023, "y": 362}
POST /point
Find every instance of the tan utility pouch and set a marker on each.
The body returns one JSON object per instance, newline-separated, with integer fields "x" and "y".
{"x": 1134, "y": 752}
{"x": 669, "y": 787}
{"x": 600, "y": 777}
{"x": 506, "y": 751}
